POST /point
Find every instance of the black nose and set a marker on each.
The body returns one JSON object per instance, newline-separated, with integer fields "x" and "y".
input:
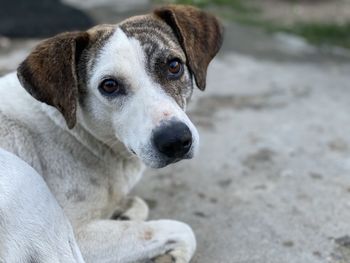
{"x": 173, "y": 139}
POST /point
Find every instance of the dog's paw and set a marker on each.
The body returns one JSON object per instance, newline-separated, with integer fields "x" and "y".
{"x": 168, "y": 241}
{"x": 134, "y": 209}
{"x": 172, "y": 256}
{"x": 179, "y": 242}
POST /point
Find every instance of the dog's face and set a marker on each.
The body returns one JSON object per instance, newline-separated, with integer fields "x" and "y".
{"x": 129, "y": 82}
{"x": 137, "y": 88}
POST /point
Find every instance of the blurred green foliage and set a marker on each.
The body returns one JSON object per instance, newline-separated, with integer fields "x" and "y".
{"x": 317, "y": 33}
{"x": 244, "y": 11}
{"x": 237, "y": 5}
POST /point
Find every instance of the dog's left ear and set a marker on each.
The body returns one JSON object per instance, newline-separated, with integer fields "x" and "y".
{"x": 200, "y": 35}
{"x": 49, "y": 72}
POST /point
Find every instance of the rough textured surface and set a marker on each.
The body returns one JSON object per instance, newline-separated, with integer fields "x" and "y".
{"x": 271, "y": 182}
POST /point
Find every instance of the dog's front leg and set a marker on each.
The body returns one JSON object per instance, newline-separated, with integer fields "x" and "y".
{"x": 159, "y": 241}
{"x": 132, "y": 208}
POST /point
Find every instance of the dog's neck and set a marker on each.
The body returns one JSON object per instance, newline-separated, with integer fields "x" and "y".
{"x": 98, "y": 147}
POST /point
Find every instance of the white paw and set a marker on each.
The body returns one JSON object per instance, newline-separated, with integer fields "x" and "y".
{"x": 179, "y": 242}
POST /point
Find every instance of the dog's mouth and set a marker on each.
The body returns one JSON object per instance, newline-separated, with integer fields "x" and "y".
{"x": 163, "y": 161}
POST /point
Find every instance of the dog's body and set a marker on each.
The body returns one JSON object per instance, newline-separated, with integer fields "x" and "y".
{"x": 122, "y": 108}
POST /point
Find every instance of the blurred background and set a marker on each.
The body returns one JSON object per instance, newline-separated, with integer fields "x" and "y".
{"x": 271, "y": 182}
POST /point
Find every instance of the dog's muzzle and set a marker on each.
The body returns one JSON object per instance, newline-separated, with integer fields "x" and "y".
{"x": 173, "y": 139}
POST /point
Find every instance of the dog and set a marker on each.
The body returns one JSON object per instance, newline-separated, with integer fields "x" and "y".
{"x": 85, "y": 114}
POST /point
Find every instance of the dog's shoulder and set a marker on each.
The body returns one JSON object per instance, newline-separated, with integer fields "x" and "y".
{"x": 15, "y": 102}
{"x": 15, "y": 108}
{"x": 17, "y": 138}
{"x": 17, "y": 121}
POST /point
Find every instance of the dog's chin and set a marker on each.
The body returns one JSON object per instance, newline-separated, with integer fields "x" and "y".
{"x": 161, "y": 162}
{"x": 156, "y": 164}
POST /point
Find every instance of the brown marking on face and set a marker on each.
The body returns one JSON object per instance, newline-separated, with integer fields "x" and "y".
{"x": 99, "y": 35}
{"x": 200, "y": 35}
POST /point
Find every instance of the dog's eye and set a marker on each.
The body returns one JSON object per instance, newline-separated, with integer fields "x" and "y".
{"x": 175, "y": 68}
{"x": 109, "y": 87}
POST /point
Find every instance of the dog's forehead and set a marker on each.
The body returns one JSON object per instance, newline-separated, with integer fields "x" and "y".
{"x": 147, "y": 29}
{"x": 133, "y": 51}
{"x": 154, "y": 35}
{"x": 150, "y": 30}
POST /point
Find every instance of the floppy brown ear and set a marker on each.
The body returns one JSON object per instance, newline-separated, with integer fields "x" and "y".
{"x": 200, "y": 35}
{"x": 49, "y": 72}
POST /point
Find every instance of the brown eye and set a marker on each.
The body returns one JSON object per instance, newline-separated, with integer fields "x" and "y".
{"x": 175, "y": 68}
{"x": 109, "y": 87}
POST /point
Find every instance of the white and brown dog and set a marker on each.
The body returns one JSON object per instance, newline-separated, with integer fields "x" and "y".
{"x": 85, "y": 112}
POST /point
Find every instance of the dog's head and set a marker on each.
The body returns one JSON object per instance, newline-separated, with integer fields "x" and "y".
{"x": 129, "y": 82}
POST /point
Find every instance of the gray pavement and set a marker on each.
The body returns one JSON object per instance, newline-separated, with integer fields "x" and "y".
{"x": 271, "y": 182}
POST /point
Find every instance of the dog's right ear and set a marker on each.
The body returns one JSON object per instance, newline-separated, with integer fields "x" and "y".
{"x": 199, "y": 33}
{"x": 49, "y": 72}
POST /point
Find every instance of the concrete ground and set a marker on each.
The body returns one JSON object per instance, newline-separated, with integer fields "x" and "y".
{"x": 271, "y": 182}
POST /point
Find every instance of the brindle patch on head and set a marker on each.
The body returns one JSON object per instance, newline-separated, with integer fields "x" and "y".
{"x": 200, "y": 35}
{"x": 160, "y": 45}
{"x": 99, "y": 35}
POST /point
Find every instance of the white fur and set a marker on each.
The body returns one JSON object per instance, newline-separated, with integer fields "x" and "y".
{"x": 32, "y": 225}
{"x": 88, "y": 170}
